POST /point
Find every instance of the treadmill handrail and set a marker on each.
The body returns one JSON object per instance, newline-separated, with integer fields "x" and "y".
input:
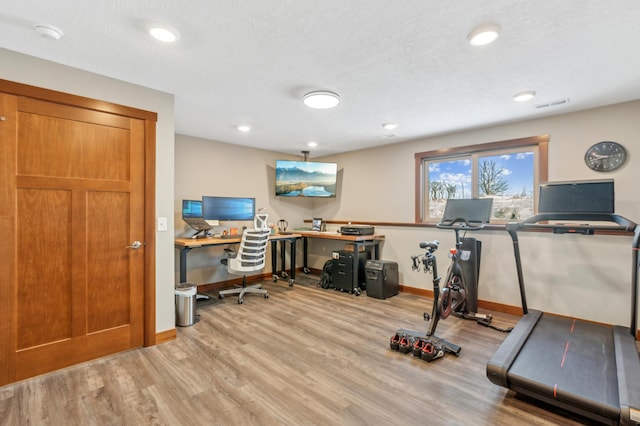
{"x": 623, "y": 223}
{"x": 532, "y": 222}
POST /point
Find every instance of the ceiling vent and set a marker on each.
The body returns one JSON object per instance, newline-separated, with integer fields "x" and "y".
{"x": 553, "y": 104}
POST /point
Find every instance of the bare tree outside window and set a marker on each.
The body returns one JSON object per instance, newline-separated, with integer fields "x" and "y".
{"x": 491, "y": 180}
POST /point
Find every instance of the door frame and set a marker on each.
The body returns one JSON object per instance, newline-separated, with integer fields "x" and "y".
{"x": 150, "y": 119}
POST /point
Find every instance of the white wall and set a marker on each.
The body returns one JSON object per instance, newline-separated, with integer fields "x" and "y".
{"x": 36, "y": 72}
{"x": 572, "y": 275}
{"x": 587, "y": 277}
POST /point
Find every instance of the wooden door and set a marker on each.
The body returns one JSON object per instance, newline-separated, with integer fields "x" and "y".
{"x": 73, "y": 183}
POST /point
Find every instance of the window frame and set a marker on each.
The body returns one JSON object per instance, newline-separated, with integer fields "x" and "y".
{"x": 541, "y": 143}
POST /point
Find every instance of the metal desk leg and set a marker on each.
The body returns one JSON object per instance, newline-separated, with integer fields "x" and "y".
{"x": 274, "y": 255}
{"x": 376, "y": 249}
{"x": 356, "y": 268}
{"x": 183, "y": 263}
{"x": 292, "y": 275}
{"x": 305, "y": 245}
{"x": 283, "y": 255}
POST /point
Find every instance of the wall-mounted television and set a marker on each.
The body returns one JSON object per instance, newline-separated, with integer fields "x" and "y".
{"x": 306, "y": 179}
{"x": 228, "y": 208}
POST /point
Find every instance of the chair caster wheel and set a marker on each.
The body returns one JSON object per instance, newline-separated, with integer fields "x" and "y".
{"x": 284, "y": 275}
{"x": 240, "y": 301}
{"x": 290, "y": 283}
{"x": 275, "y": 278}
{"x": 221, "y": 296}
{"x": 306, "y": 270}
{"x": 266, "y": 295}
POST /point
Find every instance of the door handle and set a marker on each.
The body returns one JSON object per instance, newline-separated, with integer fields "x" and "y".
{"x": 135, "y": 245}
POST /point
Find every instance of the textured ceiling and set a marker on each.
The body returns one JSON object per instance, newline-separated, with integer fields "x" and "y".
{"x": 409, "y": 62}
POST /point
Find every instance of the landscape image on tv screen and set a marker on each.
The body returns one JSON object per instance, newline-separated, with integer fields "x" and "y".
{"x": 305, "y": 179}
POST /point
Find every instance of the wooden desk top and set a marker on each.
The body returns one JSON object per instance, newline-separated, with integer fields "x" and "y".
{"x": 339, "y": 236}
{"x": 211, "y": 241}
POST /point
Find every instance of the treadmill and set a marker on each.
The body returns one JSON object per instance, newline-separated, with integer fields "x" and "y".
{"x": 586, "y": 368}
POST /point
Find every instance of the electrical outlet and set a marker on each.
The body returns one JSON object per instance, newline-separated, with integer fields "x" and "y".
{"x": 162, "y": 224}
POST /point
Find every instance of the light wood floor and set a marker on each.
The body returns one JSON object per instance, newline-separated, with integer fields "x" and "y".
{"x": 305, "y": 356}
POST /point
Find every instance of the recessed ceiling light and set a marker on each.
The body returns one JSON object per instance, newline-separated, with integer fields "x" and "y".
{"x": 164, "y": 33}
{"x": 312, "y": 144}
{"x": 524, "y": 96}
{"x": 321, "y": 100}
{"x": 244, "y": 128}
{"x": 484, "y": 35}
{"x": 49, "y": 31}
{"x": 390, "y": 126}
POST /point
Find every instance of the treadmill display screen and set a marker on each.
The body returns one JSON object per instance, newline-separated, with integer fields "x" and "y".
{"x": 595, "y": 196}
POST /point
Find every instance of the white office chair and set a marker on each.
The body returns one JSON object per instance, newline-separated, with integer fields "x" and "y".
{"x": 250, "y": 257}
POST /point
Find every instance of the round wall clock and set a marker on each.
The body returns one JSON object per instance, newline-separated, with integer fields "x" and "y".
{"x": 605, "y": 156}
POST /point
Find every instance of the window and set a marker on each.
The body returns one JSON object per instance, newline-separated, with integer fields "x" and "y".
{"x": 508, "y": 171}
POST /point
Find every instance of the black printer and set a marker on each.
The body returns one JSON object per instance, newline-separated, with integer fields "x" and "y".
{"x": 357, "y": 230}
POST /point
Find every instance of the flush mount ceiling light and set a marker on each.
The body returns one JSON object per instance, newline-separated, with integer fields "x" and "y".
{"x": 312, "y": 144}
{"x": 390, "y": 126}
{"x": 321, "y": 100}
{"x": 164, "y": 33}
{"x": 49, "y": 31}
{"x": 484, "y": 35}
{"x": 244, "y": 128}
{"x": 524, "y": 96}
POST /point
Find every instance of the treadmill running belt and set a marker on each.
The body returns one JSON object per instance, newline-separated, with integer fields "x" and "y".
{"x": 570, "y": 361}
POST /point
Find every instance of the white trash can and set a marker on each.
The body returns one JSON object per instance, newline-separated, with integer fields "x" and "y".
{"x": 185, "y": 304}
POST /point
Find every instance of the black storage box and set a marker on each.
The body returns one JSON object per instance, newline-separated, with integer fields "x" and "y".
{"x": 382, "y": 278}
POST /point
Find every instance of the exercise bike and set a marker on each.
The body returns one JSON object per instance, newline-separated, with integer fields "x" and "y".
{"x": 460, "y": 215}
{"x": 454, "y": 297}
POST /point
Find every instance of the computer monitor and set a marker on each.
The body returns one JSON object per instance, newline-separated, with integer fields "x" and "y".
{"x": 192, "y": 208}
{"x": 589, "y": 196}
{"x": 228, "y": 208}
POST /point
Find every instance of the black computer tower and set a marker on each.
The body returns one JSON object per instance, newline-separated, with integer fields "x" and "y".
{"x": 382, "y": 278}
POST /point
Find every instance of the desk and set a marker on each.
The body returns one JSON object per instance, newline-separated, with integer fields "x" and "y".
{"x": 357, "y": 241}
{"x": 185, "y": 245}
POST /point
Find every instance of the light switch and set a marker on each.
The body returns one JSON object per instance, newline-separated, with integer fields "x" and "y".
{"x": 162, "y": 224}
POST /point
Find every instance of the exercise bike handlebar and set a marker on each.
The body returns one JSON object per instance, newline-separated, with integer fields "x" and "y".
{"x": 461, "y": 224}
